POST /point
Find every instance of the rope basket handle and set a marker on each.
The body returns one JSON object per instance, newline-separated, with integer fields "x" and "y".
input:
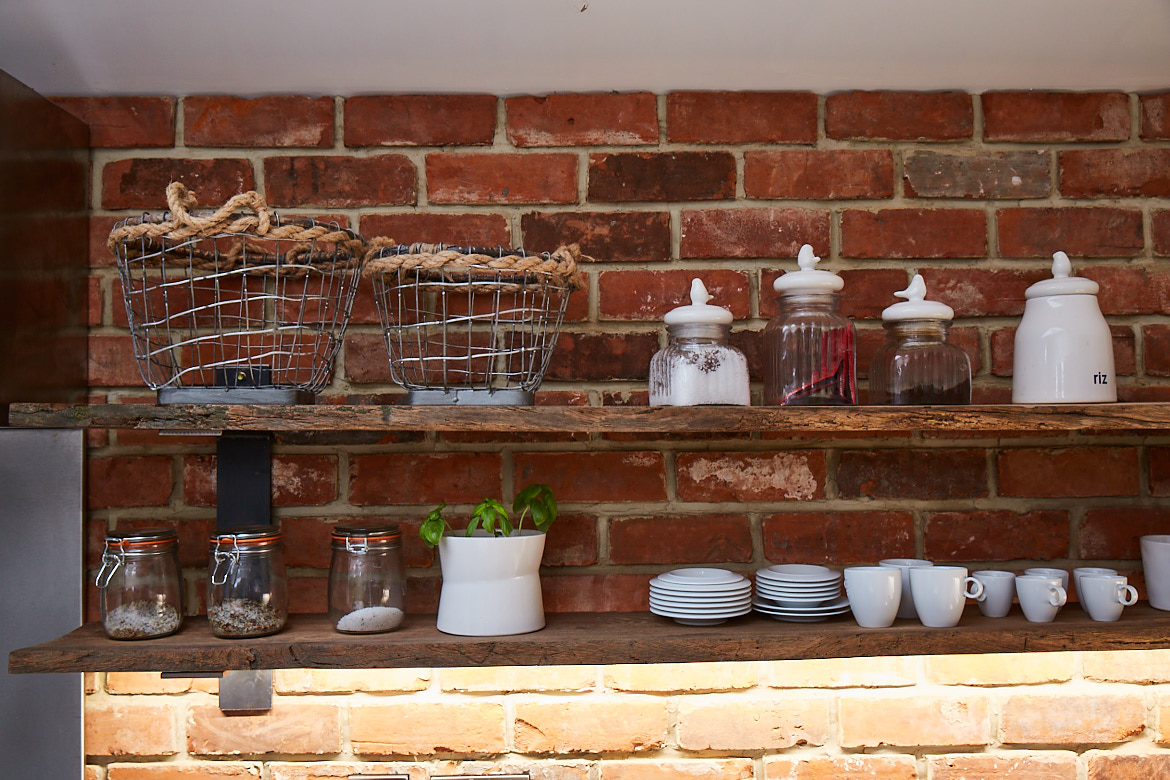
{"x": 228, "y": 218}
{"x": 561, "y": 263}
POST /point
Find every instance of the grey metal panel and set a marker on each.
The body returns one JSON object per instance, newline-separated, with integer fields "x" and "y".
{"x": 41, "y": 565}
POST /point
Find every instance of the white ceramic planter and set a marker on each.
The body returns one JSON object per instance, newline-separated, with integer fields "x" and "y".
{"x": 491, "y": 584}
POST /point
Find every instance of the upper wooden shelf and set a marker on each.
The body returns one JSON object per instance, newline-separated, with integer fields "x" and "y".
{"x": 992, "y": 419}
{"x": 309, "y": 642}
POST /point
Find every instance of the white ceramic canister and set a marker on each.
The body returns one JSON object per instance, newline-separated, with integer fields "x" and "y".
{"x": 1063, "y": 348}
{"x": 698, "y": 366}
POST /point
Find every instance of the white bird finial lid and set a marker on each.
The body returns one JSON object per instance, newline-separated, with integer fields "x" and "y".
{"x": 699, "y": 311}
{"x": 1062, "y": 281}
{"x": 808, "y": 278}
{"x": 916, "y": 307}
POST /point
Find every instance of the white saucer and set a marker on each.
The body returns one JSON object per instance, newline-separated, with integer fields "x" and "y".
{"x": 700, "y": 577}
{"x": 838, "y": 606}
{"x": 721, "y": 610}
{"x": 798, "y": 572}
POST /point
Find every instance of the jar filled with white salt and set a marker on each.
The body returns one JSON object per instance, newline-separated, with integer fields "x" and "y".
{"x": 141, "y": 590}
{"x": 698, "y": 366}
{"x": 366, "y": 582}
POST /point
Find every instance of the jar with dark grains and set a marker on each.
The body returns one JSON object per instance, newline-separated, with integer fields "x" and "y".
{"x": 139, "y": 582}
{"x": 247, "y": 592}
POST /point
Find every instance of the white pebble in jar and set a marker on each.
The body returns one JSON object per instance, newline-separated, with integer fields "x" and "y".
{"x": 370, "y": 620}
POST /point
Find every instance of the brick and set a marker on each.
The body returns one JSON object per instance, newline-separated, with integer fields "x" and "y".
{"x": 459, "y": 229}
{"x": 977, "y": 292}
{"x": 599, "y": 356}
{"x": 124, "y": 122}
{"x": 366, "y": 360}
{"x": 112, "y": 362}
{"x": 1055, "y": 116}
{"x": 1000, "y": 669}
{"x": 1048, "y": 719}
{"x": 996, "y": 535}
{"x": 661, "y": 176}
{"x": 419, "y": 120}
{"x": 1144, "y": 667}
{"x": 900, "y": 116}
{"x": 750, "y": 476}
{"x": 680, "y": 539}
{"x": 1125, "y": 289}
{"x": 596, "y": 593}
{"x": 1030, "y": 766}
{"x": 914, "y": 233}
{"x": 1069, "y": 472}
{"x": 128, "y": 481}
{"x": 141, "y": 182}
{"x": 1159, "y": 465}
{"x": 1155, "y": 116}
{"x": 1160, "y": 228}
{"x": 268, "y": 121}
{"x": 516, "y": 679}
{"x": 605, "y": 236}
{"x": 917, "y": 473}
{"x": 501, "y": 178}
{"x": 722, "y": 722}
{"x": 1081, "y": 232}
{"x": 688, "y": 769}
{"x": 424, "y": 728}
{"x": 837, "y": 537}
{"x": 989, "y": 175}
{"x": 328, "y": 181}
{"x": 152, "y": 683}
{"x": 751, "y": 233}
{"x": 826, "y": 174}
{"x": 99, "y": 254}
{"x": 1156, "y": 340}
{"x": 631, "y": 724}
{"x": 424, "y": 478}
{"x": 1114, "y": 173}
{"x": 304, "y": 480}
{"x": 317, "y": 681}
{"x": 913, "y": 721}
{"x": 595, "y": 476}
{"x": 1107, "y": 766}
{"x": 741, "y": 117}
{"x": 605, "y": 119}
{"x": 1114, "y": 533}
{"x": 130, "y": 730}
{"x": 199, "y": 480}
{"x": 173, "y": 771}
{"x": 703, "y": 677}
{"x": 573, "y": 541}
{"x": 890, "y": 672}
{"x": 648, "y": 295}
{"x": 835, "y": 767}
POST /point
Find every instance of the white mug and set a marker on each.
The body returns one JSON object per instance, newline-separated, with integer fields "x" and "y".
{"x": 906, "y": 608}
{"x": 940, "y": 592}
{"x": 999, "y": 591}
{"x": 874, "y": 594}
{"x": 1040, "y": 597}
{"x": 1156, "y": 563}
{"x": 1081, "y": 572}
{"x": 1060, "y": 574}
{"x": 1105, "y": 596}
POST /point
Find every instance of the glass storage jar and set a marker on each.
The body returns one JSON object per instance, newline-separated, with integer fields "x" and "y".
{"x": 917, "y": 365}
{"x": 247, "y": 586}
{"x": 366, "y": 583}
{"x": 698, "y": 366}
{"x": 810, "y": 353}
{"x": 141, "y": 590}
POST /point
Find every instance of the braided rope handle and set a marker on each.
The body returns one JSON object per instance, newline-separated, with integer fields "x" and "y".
{"x": 561, "y": 263}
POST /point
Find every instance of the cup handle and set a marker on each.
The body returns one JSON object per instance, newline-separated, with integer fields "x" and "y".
{"x": 1127, "y": 595}
{"x": 977, "y": 593}
{"x": 1057, "y": 596}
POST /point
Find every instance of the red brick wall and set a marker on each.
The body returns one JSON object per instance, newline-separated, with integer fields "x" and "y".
{"x": 973, "y": 191}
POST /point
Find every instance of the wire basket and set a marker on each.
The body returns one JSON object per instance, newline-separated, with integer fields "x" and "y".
{"x": 238, "y": 305}
{"x": 468, "y": 325}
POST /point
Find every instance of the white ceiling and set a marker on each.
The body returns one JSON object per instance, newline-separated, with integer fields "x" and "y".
{"x": 344, "y": 47}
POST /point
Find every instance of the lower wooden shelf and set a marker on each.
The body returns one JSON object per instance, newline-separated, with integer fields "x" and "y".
{"x": 309, "y": 642}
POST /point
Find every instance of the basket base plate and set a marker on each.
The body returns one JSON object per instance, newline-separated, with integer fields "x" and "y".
{"x": 471, "y": 397}
{"x": 234, "y": 395}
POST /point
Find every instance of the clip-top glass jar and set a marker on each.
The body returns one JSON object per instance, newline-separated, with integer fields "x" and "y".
{"x": 699, "y": 366}
{"x": 247, "y": 586}
{"x": 917, "y": 365}
{"x": 810, "y": 353}
{"x": 141, "y": 592}
{"x": 366, "y": 584}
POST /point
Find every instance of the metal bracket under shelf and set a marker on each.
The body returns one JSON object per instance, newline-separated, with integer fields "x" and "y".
{"x": 241, "y": 691}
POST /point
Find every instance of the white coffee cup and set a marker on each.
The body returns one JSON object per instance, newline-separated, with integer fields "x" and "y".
{"x": 874, "y": 594}
{"x": 999, "y": 591}
{"x": 1081, "y": 572}
{"x": 1156, "y": 563}
{"x": 1061, "y": 574}
{"x": 906, "y": 608}
{"x": 940, "y": 592}
{"x": 1040, "y": 597}
{"x": 1105, "y": 596}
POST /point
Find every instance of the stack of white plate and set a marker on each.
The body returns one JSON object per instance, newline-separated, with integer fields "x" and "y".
{"x": 799, "y": 593}
{"x": 700, "y": 597}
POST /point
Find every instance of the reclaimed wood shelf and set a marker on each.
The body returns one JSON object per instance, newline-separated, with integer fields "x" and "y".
{"x": 309, "y": 642}
{"x": 991, "y": 419}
